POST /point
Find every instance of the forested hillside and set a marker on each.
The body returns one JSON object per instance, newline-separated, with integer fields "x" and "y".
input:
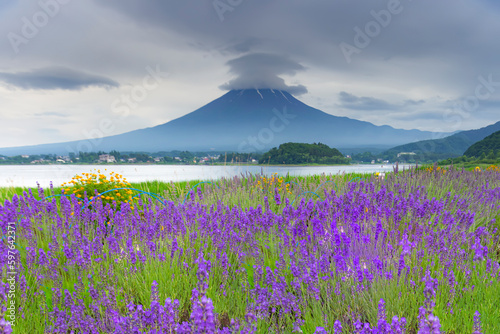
{"x": 488, "y": 147}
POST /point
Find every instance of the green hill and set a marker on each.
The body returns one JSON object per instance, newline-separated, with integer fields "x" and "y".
{"x": 299, "y": 153}
{"x": 448, "y": 147}
{"x": 489, "y": 146}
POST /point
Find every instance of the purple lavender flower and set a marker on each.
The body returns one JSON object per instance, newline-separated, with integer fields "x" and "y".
{"x": 5, "y": 326}
{"x": 477, "y": 329}
{"x": 381, "y": 311}
{"x": 277, "y": 196}
{"x": 401, "y": 264}
{"x": 429, "y": 323}
{"x": 337, "y": 327}
{"x": 434, "y": 325}
{"x": 203, "y": 317}
{"x": 42, "y": 258}
{"x": 429, "y": 291}
{"x": 398, "y": 325}
{"x": 479, "y": 251}
{"x": 321, "y": 330}
{"x": 154, "y": 292}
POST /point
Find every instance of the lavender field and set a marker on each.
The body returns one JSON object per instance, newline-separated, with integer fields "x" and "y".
{"x": 411, "y": 252}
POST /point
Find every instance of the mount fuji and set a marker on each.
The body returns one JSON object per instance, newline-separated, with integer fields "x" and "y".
{"x": 247, "y": 120}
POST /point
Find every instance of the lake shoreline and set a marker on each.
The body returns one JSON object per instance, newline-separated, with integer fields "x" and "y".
{"x": 29, "y": 175}
{"x": 205, "y": 165}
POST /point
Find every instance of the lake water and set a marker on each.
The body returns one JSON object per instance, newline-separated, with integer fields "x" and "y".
{"x": 28, "y": 176}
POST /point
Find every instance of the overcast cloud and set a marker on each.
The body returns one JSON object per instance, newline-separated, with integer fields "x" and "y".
{"x": 55, "y": 78}
{"x": 415, "y": 64}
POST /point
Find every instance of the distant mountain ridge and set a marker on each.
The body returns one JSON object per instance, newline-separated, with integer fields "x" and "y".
{"x": 448, "y": 147}
{"x": 247, "y": 120}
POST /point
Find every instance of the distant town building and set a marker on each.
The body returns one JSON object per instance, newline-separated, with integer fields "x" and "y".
{"x": 65, "y": 158}
{"x": 406, "y": 153}
{"x": 132, "y": 160}
{"x": 107, "y": 158}
{"x": 25, "y": 156}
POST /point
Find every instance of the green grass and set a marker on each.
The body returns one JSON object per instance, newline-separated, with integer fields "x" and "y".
{"x": 177, "y": 191}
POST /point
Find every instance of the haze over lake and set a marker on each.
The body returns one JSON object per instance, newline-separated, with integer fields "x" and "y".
{"x": 28, "y": 176}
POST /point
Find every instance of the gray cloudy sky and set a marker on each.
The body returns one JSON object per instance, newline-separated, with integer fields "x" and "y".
{"x": 73, "y": 69}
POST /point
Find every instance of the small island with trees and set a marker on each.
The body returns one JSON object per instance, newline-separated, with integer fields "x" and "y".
{"x": 300, "y": 153}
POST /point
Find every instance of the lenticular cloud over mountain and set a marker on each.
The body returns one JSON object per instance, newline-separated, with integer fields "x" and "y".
{"x": 262, "y": 71}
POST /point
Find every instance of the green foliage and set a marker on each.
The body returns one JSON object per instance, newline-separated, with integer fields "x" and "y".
{"x": 300, "y": 153}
